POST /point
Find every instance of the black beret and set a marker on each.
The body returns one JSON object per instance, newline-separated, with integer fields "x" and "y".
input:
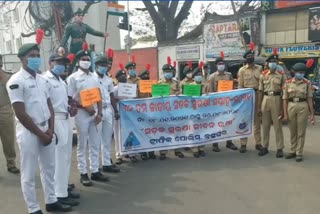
{"x": 167, "y": 67}
{"x": 249, "y": 52}
{"x": 299, "y": 67}
{"x": 58, "y": 57}
{"x": 120, "y": 73}
{"x": 187, "y": 70}
{"x": 130, "y": 64}
{"x": 218, "y": 60}
{"x": 78, "y": 12}
{"x": 196, "y": 71}
{"x": 101, "y": 59}
{"x": 143, "y": 72}
{"x": 82, "y": 53}
{"x": 26, "y": 48}
{"x": 272, "y": 57}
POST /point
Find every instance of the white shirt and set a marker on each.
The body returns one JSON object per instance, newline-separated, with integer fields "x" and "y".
{"x": 33, "y": 92}
{"x": 106, "y": 87}
{"x": 79, "y": 81}
{"x": 58, "y": 93}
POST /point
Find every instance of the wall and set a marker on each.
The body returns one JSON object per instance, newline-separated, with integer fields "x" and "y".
{"x": 143, "y": 57}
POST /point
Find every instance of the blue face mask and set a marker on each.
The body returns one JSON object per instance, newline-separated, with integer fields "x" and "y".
{"x": 58, "y": 69}
{"x": 168, "y": 75}
{"x": 102, "y": 70}
{"x": 198, "y": 78}
{"x": 299, "y": 75}
{"x": 132, "y": 73}
{"x": 273, "y": 66}
{"x": 34, "y": 63}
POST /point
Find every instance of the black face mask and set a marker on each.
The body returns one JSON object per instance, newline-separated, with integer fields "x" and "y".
{"x": 63, "y": 76}
{"x": 145, "y": 77}
{"x": 250, "y": 60}
{"x": 122, "y": 79}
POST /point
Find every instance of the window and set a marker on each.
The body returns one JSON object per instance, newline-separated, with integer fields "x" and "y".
{"x": 16, "y": 15}
{"x": 9, "y": 47}
{"x": 18, "y": 43}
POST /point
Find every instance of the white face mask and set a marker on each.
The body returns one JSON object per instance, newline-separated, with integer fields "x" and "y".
{"x": 84, "y": 64}
{"x": 189, "y": 75}
{"x": 221, "y": 67}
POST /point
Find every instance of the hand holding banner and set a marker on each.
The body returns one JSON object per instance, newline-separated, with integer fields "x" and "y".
{"x": 225, "y": 85}
{"x": 90, "y": 96}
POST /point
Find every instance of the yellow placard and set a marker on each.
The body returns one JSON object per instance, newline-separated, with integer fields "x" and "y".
{"x": 90, "y": 96}
{"x": 145, "y": 86}
{"x": 225, "y": 85}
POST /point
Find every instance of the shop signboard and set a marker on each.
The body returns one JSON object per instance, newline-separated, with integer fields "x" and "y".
{"x": 308, "y": 50}
{"x": 188, "y": 52}
{"x": 314, "y": 24}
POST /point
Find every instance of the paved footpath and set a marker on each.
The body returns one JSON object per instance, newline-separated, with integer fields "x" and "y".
{"x": 222, "y": 183}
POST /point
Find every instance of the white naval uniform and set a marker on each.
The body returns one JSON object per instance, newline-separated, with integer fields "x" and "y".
{"x": 88, "y": 132}
{"x": 34, "y": 93}
{"x": 106, "y": 88}
{"x": 63, "y": 130}
{"x": 117, "y": 124}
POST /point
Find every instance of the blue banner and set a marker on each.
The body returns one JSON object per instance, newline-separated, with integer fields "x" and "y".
{"x": 172, "y": 122}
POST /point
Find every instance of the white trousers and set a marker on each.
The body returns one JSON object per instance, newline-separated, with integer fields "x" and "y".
{"x": 116, "y": 135}
{"x": 106, "y": 136}
{"x": 32, "y": 154}
{"x": 88, "y": 133}
{"x": 63, "y": 152}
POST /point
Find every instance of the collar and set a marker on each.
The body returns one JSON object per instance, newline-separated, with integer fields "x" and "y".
{"x": 26, "y": 74}
{"x": 52, "y": 76}
{"x": 81, "y": 72}
{"x": 296, "y": 81}
{"x": 247, "y": 66}
{"x": 97, "y": 75}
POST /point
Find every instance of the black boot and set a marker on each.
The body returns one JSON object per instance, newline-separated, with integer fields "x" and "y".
{"x": 84, "y": 179}
{"x": 98, "y": 176}
{"x": 152, "y": 155}
{"x": 258, "y": 147}
{"x": 290, "y": 156}
{"x": 202, "y": 153}
{"x": 37, "y": 212}
{"x": 243, "y": 149}
{"x": 230, "y": 145}
{"x": 263, "y": 152}
{"x": 58, "y": 207}
{"x": 279, "y": 153}
{"x": 111, "y": 169}
{"x": 179, "y": 154}
{"x": 68, "y": 201}
{"x": 144, "y": 156}
{"x": 196, "y": 154}
{"x": 215, "y": 147}
{"x": 163, "y": 157}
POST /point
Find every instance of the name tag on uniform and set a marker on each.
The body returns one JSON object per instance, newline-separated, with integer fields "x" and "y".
{"x": 32, "y": 86}
{"x": 56, "y": 86}
{"x": 81, "y": 80}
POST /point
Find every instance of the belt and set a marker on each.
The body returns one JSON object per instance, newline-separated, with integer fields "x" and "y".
{"x": 77, "y": 40}
{"x": 61, "y": 115}
{"x": 252, "y": 88}
{"x": 272, "y": 93}
{"x": 297, "y": 100}
{"x": 43, "y": 123}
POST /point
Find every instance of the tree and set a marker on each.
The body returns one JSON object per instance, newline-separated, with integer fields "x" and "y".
{"x": 168, "y": 17}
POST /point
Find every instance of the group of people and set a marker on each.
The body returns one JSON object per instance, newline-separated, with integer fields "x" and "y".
{"x": 43, "y": 104}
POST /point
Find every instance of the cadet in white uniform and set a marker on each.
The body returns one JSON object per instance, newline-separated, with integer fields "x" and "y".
{"x": 62, "y": 128}
{"x": 108, "y": 102}
{"x": 87, "y": 120}
{"x": 29, "y": 95}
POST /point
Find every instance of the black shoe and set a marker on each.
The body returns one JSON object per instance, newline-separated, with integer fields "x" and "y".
{"x": 98, "y": 176}
{"x": 215, "y": 147}
{"x": 84, "y": 179}
{"x": 163, "y": 157}
{"x": 202, "y": 153}
{"x": 299, "y": 158}
{"x": 111, "y": 169}
{"x": 259, "y": 147}
{"x": 263, "y": 152}
{"x": 71, "y": 186}
{"x": 196, "y": 154}
{"x": 37, "y": 212}
{"x": 58, "y": 207}
{"x": 144, "y": 156}
{"x": 279, "y": 153}
{"x": 152, "y": 155}
{"x": 231, "y": 146}
{"x": 243, "y": 149}
{"x": 119, "y": 161}
{"x": 127, "y": 156}
{"x": 68, "y": 201}
{"x": 133, "y": 159}
{"x": 186, "y": 149}
{"x": 179, "y": 154}
{"x": 13, "y": 170}
{"x": 73, "y": 195}
{"x": 290, "y": 156}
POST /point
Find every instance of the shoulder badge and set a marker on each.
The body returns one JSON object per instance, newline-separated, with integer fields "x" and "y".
{"x": 14, "y": 86}
{"x": 306, "y": 81}
{"x": 265, "y": 72}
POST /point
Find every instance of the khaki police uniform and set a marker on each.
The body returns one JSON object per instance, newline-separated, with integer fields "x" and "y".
{"x": 270, "y": 85}
{"x": 34, "y": 93}
{"x": 174, "y": 89}
{"x": 7, "y": 124}
{"x": 63, "y": 130}
{"x": 88, "y": 131}
{"x": 297, "y": 93}
{"x": 215, "y": 77}
{"x": 248, "y": 77}
{"x": 106, "y": 87}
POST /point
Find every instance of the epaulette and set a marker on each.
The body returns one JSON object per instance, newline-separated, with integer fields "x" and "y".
{"x": 265, "y": 72}
{"x": 289, "y": 80}
{"x": 306, "y": 81}
{"x": 280, "y": 72}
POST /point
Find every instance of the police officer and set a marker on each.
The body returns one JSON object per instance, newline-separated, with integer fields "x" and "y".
{"x": 188, "y": 72}
{"x": 63, "y": 127}
{"x": 198, "y": 151}
{"x": 145, "y": 75}
{"x": 174, "y": 90}
{"x": 29, "y": 95}
{"x": 248, "y": 77}
{"x": 108, "y": 103}
{"x": 214, "y": 78}
{"x": 297, "y": 103}
{"x": 78, "y": 31}
{"x": 87, "y": 120}
{"x": 270, "y": 104}
{"x": 7, "y": 129}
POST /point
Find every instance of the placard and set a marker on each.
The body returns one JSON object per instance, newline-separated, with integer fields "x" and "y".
{"x": 127, "y": 90}
{"x": 160, "y": 90}
{"x": 90, "y": 96}
{"x": 192, "y": 90}
{"x": 225, "y": 85}
{"x": 145, "y": 86}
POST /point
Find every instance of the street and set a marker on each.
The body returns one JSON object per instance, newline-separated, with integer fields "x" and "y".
{"x": 221, "y": 183}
